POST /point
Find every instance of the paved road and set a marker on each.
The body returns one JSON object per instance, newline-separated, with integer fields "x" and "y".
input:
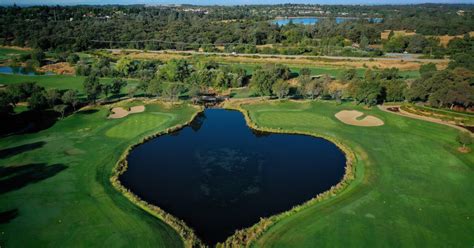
{"x": 393, "y": 57}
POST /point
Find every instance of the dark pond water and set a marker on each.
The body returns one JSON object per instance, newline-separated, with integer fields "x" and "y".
{"x": 22, "y": 71}
{"x": 218, "y": 175}
{"x": 314, "y": 20}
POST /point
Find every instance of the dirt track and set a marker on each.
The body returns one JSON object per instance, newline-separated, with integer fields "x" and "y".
{"x": 419, "y": 117}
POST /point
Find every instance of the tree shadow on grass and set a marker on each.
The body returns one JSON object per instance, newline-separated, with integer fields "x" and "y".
{"x": 7, "y": 216}
{"x": 27, "y": 122}
{"x": 12, "y": 151}
{"x": 16, "y": 177}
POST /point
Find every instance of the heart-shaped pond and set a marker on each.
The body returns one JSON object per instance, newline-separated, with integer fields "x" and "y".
{"x": 218, "y": 175}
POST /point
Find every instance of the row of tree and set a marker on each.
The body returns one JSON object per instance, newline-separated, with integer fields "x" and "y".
{"x": 38, "y": 98}
{"x": 86, "y": 27}
{"x": 444, "y": 89}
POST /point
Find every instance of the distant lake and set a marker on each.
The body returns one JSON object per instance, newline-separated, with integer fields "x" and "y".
{"x": 218, "y": 175}
{"x": 22, "y": 71}
{"x": 313, "y": 20}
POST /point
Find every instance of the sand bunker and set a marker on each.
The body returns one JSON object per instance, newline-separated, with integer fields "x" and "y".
{"x": 350, "y": 117}
{"x": 119, "y": 112}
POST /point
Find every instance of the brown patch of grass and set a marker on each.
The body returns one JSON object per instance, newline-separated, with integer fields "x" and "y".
{"x": 291, "y": 61}
{"x": 18, "y": 48}
{"x": 59, "y": 68}
{"x": 464, "y": 149}
{"x": 443, "y": 39}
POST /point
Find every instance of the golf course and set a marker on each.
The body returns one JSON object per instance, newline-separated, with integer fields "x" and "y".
{"x": 217, "y": 124}
{"x": 411, "y": 185}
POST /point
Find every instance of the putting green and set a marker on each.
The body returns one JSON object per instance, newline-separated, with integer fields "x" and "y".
{"x": 136, "y": 124}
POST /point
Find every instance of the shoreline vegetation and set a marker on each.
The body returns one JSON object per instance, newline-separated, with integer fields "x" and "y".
{"x": 246, "y": 236}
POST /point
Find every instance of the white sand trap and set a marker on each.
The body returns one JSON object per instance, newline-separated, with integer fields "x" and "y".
{"x": 350, "y": 117}
{"x": 119, "y": 112}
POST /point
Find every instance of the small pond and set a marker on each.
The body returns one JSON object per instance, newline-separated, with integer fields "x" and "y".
{"x": 218, "y": 175}
{"x": 314, "y": 20}
{"x": 22, "y": 71}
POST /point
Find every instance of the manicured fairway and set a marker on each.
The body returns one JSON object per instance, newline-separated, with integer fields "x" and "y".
{"x": 55, "y": 189}
{"x": 414, "y": 189}
{"x": 54, "y": 81}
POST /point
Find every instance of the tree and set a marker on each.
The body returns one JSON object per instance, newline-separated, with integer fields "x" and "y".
{"x": 172, "y": 91}
{"x": 37, "y": 101}
{"x": 305, "y": 71}
{"x": 154, "y": 88}
{"x": 446, "y": 88}
{"x": 304, "y": 79}
{"x": 38, "y": 56}
{"x": 427, "y": 68}
{"x": 364, "y": 42}
{"x": 465, "y": 60}
{"x": 417, "y": 43}
{"x": 52, "y": 96}
{"x": 92, "y": 88}
{"x": 5, "y": 103}
{"x": 391, "y": 34}
{"x": 395, "y": 44}
{"x": 106, "y": 88}
{"x": 117, "y": 85}
{"x": 365, "y": 91}
{"x": 72, "y": 59}
{"x": 313, "y": 89}
{"x": 221, "y": 80}
{"x": 124, "y": 66}
{"x": 349, "y": 74}
{"x": 394, "y": 90}
{"x": 282, "y": 71}
{"x": 21, "y": 92}
{"x": 176, "y": 70}
{"x": 132, "y": 91}
{"x": 464, "y": 138}
{"x": 61, "y": 108}
{"x": 262, "y": 81}
{"x": 70, "y": 97}
{"x": 281, "y": 88}
{"x": 82, "y": 68}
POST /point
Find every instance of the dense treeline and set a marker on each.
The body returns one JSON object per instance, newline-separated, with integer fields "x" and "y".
{"x": 238, "y": 28}
{"x": 178, "y": 78}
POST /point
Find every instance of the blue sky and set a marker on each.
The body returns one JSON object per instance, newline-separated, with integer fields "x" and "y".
{"x": 223, "y": 2}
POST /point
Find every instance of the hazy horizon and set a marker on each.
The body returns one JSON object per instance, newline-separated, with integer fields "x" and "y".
{"x": 228, "y": 2}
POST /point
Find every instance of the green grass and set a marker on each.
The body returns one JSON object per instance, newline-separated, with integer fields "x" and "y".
{"x": 7, "y": 53}
{"x": 62, "y": 194}
{"x": 242, "y": 92}
{"x": 20, "y": 108}
{"x": 135, "y": 124}
{"x": 413, "y": 188}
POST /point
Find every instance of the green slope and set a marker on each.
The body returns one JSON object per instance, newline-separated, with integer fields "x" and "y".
{"x": 55, "y": 189}
{"x": 416, "y": 188}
